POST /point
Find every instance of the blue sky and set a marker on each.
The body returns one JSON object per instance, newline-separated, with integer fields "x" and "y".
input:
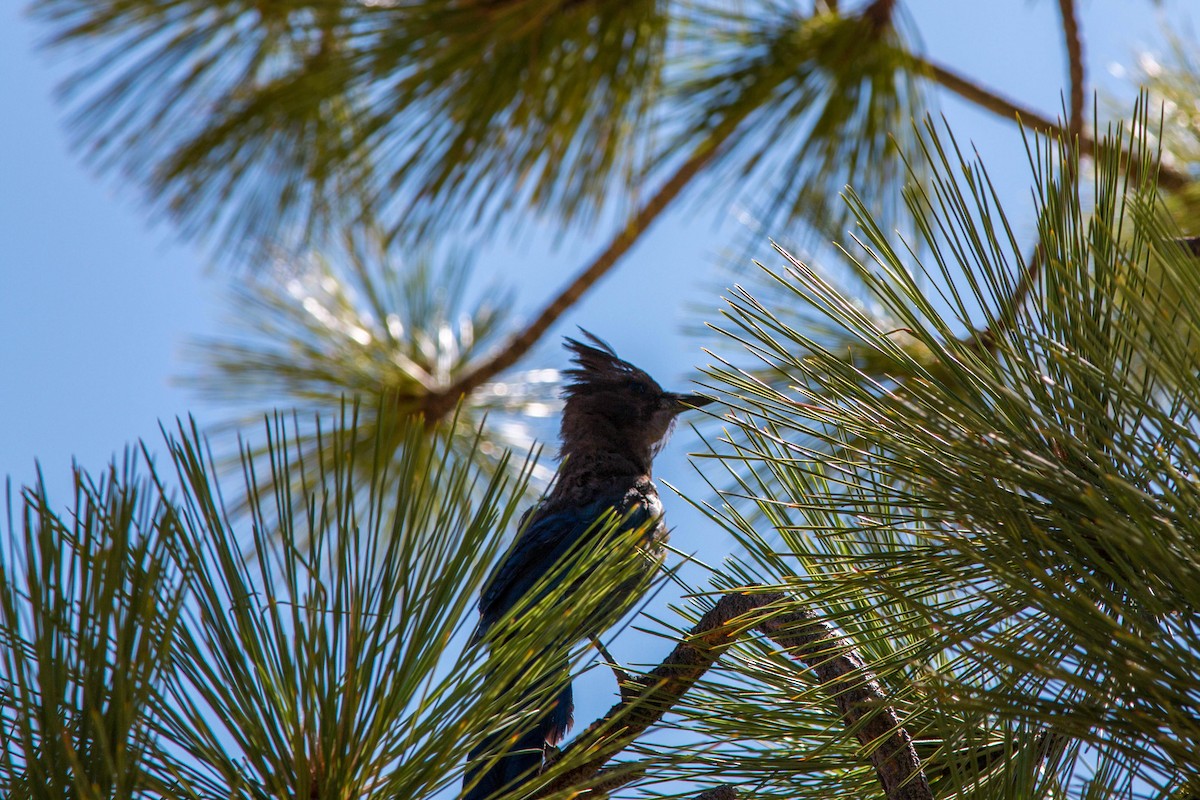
{"x": 96, "y": 300}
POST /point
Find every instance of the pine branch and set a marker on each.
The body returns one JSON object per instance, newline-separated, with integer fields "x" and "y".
{"x": 966, "y": 88}
{"x": 879, "y": 12}
{"x": 858, "y": 695}
{"x": 438, "y": 405}
{"x": 987, "y": 338}
{"x": 1074, "y": 132}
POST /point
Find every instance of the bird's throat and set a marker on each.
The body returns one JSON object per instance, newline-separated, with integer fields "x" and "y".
{"x": 592, "y": 466}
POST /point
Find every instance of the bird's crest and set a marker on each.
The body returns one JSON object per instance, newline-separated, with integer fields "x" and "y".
{"x": 598, "y": 365}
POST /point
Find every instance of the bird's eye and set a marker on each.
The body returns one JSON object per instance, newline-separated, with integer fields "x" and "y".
{"x": 638, "y": 388}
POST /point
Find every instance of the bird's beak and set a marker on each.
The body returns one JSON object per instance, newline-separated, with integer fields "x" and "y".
{"x": 685, "y": 401}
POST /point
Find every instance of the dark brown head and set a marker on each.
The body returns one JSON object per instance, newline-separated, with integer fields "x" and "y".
{"x": 615, "y": 408}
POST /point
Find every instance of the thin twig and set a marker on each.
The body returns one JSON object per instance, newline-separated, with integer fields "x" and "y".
{"x": 858, "y": 695}
{"x": 987, "y": 99}
{"x": 988, "y": 338}
{"x": 1168, "y": 177}
{"x": 1074, "y": 43}
{"x": 623, "y": 679}
{"x": 879, "y": 13}
{"x": 609, "y": 779}
{"x": 1047, "y": 746}
{"x": 620, "y": 244}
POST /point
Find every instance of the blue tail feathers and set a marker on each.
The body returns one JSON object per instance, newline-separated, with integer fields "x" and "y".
{"x": 524, "y": 756}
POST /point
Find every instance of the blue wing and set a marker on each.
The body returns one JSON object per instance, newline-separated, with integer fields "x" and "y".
{"x": 545, "y": 537}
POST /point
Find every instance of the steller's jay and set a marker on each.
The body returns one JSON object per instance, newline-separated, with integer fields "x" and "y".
{"x": 615, "y": 420}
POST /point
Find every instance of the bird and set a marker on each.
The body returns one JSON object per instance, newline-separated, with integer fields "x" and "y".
{"x": 615, "y": 420}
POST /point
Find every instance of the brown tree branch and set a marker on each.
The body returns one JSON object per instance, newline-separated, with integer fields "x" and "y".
{"x": 859, "y": 698}
{"x": 856, "y": 692}
{"x": 618, "y": 246}
{"x": 1168, "y": 178}
{"x": 1073, "y": 133}
{"x": 879, "y": 13}
{"x": 611, "y": 779}
{"x": 1074, "y": 43}
{"x": 987, "y": 338}
{"x": 987, "y": 99}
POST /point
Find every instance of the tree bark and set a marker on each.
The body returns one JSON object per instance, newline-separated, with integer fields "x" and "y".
{"x": 858, "y": 695}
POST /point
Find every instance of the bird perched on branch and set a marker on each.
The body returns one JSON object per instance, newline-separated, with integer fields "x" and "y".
{"x": 615, "y": 421}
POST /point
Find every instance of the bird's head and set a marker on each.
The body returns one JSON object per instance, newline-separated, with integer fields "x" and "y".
{"x": 612, "y": 406}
